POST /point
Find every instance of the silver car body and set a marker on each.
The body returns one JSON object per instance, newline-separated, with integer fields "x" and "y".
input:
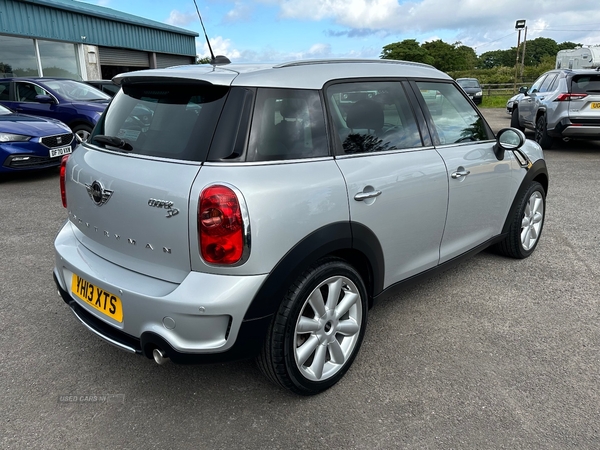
{"x": 437, "y": 201}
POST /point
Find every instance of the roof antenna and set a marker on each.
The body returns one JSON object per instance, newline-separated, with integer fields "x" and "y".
{"x": 219, "y": 59}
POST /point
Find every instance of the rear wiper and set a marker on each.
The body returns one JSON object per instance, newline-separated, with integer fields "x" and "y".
{"x": 113, "y": 141}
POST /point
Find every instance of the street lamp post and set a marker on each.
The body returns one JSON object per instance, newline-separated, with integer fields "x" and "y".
{"x": 519, "y": 25}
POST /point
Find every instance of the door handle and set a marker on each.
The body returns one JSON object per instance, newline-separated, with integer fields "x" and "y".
{"x": 461, "y": 172}
{"x": 365, "y": 195}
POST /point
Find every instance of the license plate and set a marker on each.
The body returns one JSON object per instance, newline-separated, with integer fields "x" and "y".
{"x": 59, "y": 151}
{"x": 595, "y": 105}
{"x": 99, "y": 299}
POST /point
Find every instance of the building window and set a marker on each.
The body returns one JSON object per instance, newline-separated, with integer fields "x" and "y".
{"x": 59, "y": 59}
{"x": 17, "y": 57}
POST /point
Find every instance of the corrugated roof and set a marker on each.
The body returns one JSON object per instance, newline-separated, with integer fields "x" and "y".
{"x": 108, "y": 13}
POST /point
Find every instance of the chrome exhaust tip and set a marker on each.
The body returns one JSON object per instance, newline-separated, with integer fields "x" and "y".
{"x": 160, "y": 357}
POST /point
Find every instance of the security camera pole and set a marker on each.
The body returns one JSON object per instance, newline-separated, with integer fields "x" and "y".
{"x": 519, "y": 25}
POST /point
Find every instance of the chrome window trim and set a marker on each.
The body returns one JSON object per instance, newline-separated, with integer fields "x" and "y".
{"x": 268, "y": 163}
{"x": 388, "y": 152}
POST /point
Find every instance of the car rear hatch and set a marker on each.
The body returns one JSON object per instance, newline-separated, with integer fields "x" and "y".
{"x": 128, "y": 188}
{"x": 584, "y": 99}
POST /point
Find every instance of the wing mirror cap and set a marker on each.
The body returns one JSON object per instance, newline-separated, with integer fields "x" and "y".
{"x": 508, "y": 139}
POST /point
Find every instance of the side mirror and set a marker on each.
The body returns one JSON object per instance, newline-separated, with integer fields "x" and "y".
{"x": 44, "y": 99}
{"x": 508, "y": 139}
{"x": 523, "y": 90}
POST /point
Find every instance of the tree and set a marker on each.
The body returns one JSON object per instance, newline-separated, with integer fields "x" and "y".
{"x": 537, "y": 48}
{"x": 407, "y": 50}
{"x": 568, "y": 45}
{"x": 497, "y": 58}
{"x": 443, "y": 55}
{"x": 205, "y": 60}
{"x": 466, "y": 58}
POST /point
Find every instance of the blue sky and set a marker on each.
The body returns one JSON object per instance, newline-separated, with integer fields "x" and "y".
{"x": 278, "y": 30}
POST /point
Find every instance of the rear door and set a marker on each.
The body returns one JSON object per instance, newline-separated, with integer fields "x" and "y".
{"x": 397, "y": 185}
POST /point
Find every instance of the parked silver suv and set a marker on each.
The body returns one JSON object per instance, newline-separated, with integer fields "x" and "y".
{"x": 260, "y": 210}
{"x": 561, "y": 104}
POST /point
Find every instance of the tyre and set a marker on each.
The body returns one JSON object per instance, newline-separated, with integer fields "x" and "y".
{"x": 527, "y": 224}
{"x": 318, "y": 329}
{"x": 83, "y": 131}
{"x": 541, "y": 133}
{"x": 514, "y": 120}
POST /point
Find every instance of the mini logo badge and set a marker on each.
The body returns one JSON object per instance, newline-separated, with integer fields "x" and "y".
{"x": 97, "y": 193}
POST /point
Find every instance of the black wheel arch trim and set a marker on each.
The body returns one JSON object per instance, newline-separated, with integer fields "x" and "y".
{"x": 537, "y": 172}
{"x": 343, "y": 239}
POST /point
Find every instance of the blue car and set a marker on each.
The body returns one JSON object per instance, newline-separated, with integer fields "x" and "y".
{"x": 74, "y": 103}
{"x": 29, "y": 142}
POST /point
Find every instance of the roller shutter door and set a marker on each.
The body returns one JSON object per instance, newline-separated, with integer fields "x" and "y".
{"x": 120, "y": 57}
{"x": 164, "y": 60}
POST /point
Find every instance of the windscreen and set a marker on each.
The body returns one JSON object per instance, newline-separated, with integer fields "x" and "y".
{"x": 166, "y": 120}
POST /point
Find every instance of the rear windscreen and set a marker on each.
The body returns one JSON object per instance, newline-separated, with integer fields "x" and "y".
{"x": 164, "y": 120}
{"x": 585, "y": 84}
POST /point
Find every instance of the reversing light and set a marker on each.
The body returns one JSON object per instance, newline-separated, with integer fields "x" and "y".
{"x": 63, "y": 173}
{"x": 220, "y": 225}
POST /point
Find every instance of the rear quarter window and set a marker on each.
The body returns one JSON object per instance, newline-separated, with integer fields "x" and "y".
{"x": 287, "y": 124}
{"x": 165, "y": 120}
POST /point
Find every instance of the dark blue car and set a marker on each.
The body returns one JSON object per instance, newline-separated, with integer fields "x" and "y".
{"x": 72, "y": 102}
{"x": 29, "y": 142}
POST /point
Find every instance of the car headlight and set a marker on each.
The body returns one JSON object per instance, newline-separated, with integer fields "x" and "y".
{"x": 9, "y": 137}
{"x": 478, "y": 94}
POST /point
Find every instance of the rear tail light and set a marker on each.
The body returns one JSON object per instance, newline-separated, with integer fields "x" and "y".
{"x": 63, "y": 173}
{"x": 221, "y": 228}
{"x": 567, "y": 97}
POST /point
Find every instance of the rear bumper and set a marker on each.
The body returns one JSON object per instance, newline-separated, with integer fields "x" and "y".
{"x": 199, "y": 320}
{"x": 583, "y": 129}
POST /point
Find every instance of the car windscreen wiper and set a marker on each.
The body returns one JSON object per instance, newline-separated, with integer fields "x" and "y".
{"x": 113, "y": 141}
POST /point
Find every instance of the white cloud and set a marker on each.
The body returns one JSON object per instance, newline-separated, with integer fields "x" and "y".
{"x": 241, "y": 12}
{"x": 220, "y": 46}
{"x": 179, "y": 19}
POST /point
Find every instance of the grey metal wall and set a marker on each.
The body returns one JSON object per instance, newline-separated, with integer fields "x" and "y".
{"x": 34, "y": 19}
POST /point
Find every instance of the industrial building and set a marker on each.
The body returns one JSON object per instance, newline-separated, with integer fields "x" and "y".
{"x": 67, "y": 38}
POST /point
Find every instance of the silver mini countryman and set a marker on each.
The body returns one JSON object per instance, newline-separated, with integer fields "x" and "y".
{"x": 257, "y": 211}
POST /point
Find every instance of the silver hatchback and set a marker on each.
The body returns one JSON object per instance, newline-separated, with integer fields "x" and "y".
{"x": 258, "y": 211}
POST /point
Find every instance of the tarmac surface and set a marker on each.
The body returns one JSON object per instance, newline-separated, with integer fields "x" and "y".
{"x": 493, "y": 354}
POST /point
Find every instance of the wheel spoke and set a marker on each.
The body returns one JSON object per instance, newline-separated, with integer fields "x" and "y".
{"x": 537, "y": 217}
{"x": 319, "y": 361}
{"x": 525, "y": 237}
{"x": 305, "y": 350}
{"x": 334, "y": 293}
{"x": 336, "y": 352}
{"x": 307, "y": 325}
{"x": 317, "y": 302}
{"x": 347, "y": 302}
{"x": 347, "y": 327}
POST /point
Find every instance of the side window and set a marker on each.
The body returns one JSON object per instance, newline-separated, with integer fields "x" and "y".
{"x": 287, "y": 124}
{"x": 372, "y": 117}
{"x": 26, "y": 92}
{"x": 459, "y": 122}
{"x": 545, "y": 87}
{"x": 4, "y": 90}
{"x": 538, "y": 83}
